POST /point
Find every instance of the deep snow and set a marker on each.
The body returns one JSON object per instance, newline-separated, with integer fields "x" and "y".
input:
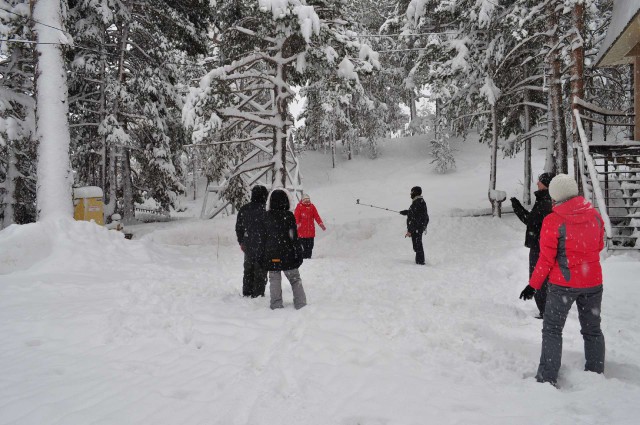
{"x": 95, "y": 329}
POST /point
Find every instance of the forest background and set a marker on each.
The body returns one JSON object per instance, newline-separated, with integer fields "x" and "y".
{"x": 158, "y": 92}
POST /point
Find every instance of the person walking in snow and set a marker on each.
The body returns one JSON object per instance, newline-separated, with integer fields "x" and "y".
{"x": 571, "y": 239}
{"x": 250, "y": 231}
{"x": 533, "y": 220}
{"x": 306, "y": 217}
{"x": 282, "y": 251}
{"x": 417, "y": 221}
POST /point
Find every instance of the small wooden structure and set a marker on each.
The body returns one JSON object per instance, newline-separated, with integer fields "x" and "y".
{"x": 88, "y": 205}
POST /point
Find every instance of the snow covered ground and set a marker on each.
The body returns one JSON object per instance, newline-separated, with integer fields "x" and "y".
{"x": 95, "y": 329}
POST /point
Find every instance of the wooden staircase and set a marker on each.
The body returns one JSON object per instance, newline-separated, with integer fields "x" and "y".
{"x": 618, "y": 174}
{"x": 610, "y": 179}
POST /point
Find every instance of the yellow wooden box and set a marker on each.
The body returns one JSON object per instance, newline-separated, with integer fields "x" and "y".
{"x": 88, "y": 205}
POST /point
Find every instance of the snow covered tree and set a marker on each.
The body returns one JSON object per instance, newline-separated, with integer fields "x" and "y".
{"x": 441, "y": 149}
{"x": 17, "y": 121}
{"x": 486, "y": 68}
{"x": 266, "y": 48}
{"x": 127, "y": 94}
{"x": 469, "y": 61}
{"x": 52, "y": 125}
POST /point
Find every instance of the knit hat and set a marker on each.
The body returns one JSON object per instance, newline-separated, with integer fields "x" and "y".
{"x": 545, "y": 179}
{"x": 305, "y": 196}
{"x": 416, "y": 191}
{"x": 563, "y": 187}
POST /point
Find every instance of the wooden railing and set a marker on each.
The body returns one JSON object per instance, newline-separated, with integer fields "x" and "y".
{"x": 593, "y": 174}
{"x": 606, "y": 118}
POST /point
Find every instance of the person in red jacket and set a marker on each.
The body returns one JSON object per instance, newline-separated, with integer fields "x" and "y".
{"x": 306, "y": 218}
{"x": 571, "y": 239}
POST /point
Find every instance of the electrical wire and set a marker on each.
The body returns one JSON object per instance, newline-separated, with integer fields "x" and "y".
{"x": 403, "y": 35}
{"x": 29, "y": 42}
{"x": 33, "y": 20}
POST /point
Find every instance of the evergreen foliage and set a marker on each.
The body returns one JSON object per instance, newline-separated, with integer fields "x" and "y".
{"x": 17, "y": 120}
{"x": 508, "y": 68}
{"x": 265, "y": 49}
{"x": 128, "y": 77}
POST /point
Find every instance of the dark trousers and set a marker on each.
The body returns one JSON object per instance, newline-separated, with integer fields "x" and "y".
{"x": 559, "y": 302}
{"x": 416, "y": 240}
{"x": 307, "y": 247}
{"x": 541, "y": 295}
{"x": 254, "y": 280}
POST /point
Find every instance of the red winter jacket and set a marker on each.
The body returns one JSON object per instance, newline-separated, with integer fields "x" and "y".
{"x": 571, "y": 239}
{"x": 305, "y": 216}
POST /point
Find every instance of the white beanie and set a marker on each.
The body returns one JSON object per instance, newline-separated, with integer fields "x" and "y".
{"x": 563, "y": 187}
{"x": 305, "y": 196}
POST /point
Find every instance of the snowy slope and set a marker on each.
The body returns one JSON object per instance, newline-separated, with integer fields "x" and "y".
{"x": 158, "y": 333}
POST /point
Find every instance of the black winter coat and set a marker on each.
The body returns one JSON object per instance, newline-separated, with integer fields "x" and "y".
{"x": 250, "y": 229}
{"x": 541, "y": 208}
{"x": 417, "y": 216}
{"x": 282, "y": 249}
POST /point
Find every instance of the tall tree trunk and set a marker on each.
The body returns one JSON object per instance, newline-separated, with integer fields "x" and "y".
{"x": 10, "y": 188}
{"x": 495, "y": 207}
{"x": 555, "y": 91}
{"x": 412, "y": 105}
{"x": 280, "y": 131}
{"x": 333, "y": 152}
{"x": 102, "y": 116}
{"x": 577, "y": 81}
{"x": 349, "y": 142}
{"x": 636, "y": 96}
{"x": 110, "y": 208}
{"x": 549, "y": 160}
{"x": 54, "y": 195}
{"x": 128, "y": 213}
{"x": 526, "y": 192}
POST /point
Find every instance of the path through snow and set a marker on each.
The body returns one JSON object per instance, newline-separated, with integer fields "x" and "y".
{"x": 159, "y": 334}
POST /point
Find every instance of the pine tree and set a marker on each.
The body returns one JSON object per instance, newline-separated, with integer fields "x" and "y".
{"x": 131, "y": 69}
{"x": 17, "y": 120}
{"x": 441, "y": 149}
{"x": 266, "y": 48}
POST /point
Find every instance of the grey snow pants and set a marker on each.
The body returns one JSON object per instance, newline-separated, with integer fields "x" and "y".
{"x": 559, "y": 302}
{"x": 275, "y": 288}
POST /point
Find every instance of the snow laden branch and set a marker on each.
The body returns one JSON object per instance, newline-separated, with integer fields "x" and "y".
{"x": 246, "y": 101}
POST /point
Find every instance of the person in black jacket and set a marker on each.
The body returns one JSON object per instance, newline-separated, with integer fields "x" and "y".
{"x": 417, "y": 221}
{"x": 282, "y": 250}
{"x": 533, "y": 219}
{"x": 250, "y": 231}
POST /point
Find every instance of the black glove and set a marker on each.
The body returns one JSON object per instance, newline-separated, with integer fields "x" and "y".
{"x": 527, "y": 293}
{"x": 404, "y": 212}
{"x": 514, "y": 201}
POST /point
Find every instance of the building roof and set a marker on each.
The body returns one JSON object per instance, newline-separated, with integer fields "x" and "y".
{"x": 623, "y": 34}
{"x": 87, "y": 192}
